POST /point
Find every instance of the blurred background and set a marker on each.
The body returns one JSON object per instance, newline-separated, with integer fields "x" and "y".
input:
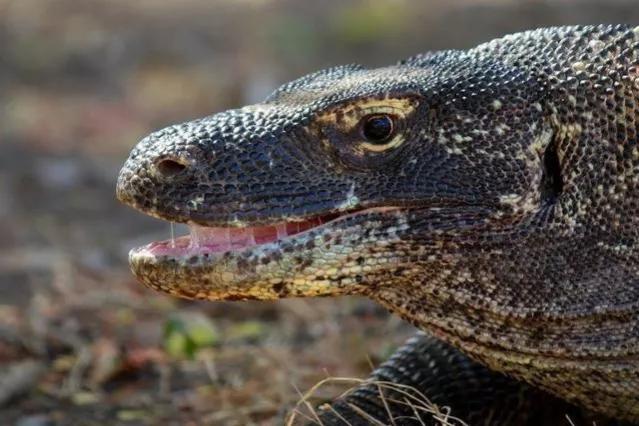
{"x": 80, "y": 83}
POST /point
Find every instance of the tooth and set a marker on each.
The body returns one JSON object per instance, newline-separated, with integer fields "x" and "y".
{"x": 195, "y": 237}
{"x": 292, "y": 228}
{"x": 281, "y": 230}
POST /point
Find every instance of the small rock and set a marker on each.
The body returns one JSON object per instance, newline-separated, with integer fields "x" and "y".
{"x": 131, "y": 415}
{"x": 84, "y": 398}
{"x": 34, "y": 420}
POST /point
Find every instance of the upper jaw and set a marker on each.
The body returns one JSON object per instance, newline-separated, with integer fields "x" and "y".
{"x": 183, "y": 204}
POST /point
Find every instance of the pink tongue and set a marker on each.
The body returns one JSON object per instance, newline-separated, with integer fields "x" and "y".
{"x": 225, "y": 239}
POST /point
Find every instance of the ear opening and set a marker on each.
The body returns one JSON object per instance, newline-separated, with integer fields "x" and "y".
{"x": 551, "y": 180}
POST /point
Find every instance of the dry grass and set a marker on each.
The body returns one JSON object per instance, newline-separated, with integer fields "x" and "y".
{"x": 409, "y": 396}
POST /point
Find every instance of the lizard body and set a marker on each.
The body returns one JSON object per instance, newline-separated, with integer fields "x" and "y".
{"x": 488, "y": 196}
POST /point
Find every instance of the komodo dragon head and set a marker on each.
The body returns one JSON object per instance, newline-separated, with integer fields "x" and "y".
{"x": 346, "y": 181}
{"x": 455, "y": 188}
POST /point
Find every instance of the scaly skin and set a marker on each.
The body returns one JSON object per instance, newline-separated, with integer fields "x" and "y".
{"x": 501, "y": 215}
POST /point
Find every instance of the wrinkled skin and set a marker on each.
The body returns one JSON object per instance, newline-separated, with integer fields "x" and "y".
{"x": 500, "y": 216}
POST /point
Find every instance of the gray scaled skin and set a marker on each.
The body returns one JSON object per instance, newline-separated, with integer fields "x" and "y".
{"x": 500, "y": 215}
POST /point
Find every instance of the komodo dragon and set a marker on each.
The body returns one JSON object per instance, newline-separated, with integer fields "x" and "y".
{"x": 488, "y": 196}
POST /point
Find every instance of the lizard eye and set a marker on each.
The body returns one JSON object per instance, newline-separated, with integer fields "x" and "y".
{"x": 378, "y": 128}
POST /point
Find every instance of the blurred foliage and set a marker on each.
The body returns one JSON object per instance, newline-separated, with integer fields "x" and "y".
{"x": 362, "y": 24}
{"x": 184, "y": 335}
{"x": 94, "y": 76}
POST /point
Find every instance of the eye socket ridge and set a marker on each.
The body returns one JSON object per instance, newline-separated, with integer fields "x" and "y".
{"x": 378, "y": 128}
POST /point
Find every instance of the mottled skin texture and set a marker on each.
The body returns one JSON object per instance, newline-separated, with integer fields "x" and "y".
{"x": 502, "y": 217}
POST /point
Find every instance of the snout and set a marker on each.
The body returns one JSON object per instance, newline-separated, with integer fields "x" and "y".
{"x": 162, "y": 173}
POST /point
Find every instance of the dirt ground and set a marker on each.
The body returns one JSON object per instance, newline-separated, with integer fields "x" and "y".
{"x": 82, "y": 343}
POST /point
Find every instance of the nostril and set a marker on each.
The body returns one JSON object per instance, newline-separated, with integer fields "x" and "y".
{"x": 170, "y": 167}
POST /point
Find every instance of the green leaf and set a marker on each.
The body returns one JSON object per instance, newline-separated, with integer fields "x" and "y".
{"x": 185, "y": 334}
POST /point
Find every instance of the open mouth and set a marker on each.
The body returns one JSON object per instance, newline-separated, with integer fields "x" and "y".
{"x": 215, "y": 240}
